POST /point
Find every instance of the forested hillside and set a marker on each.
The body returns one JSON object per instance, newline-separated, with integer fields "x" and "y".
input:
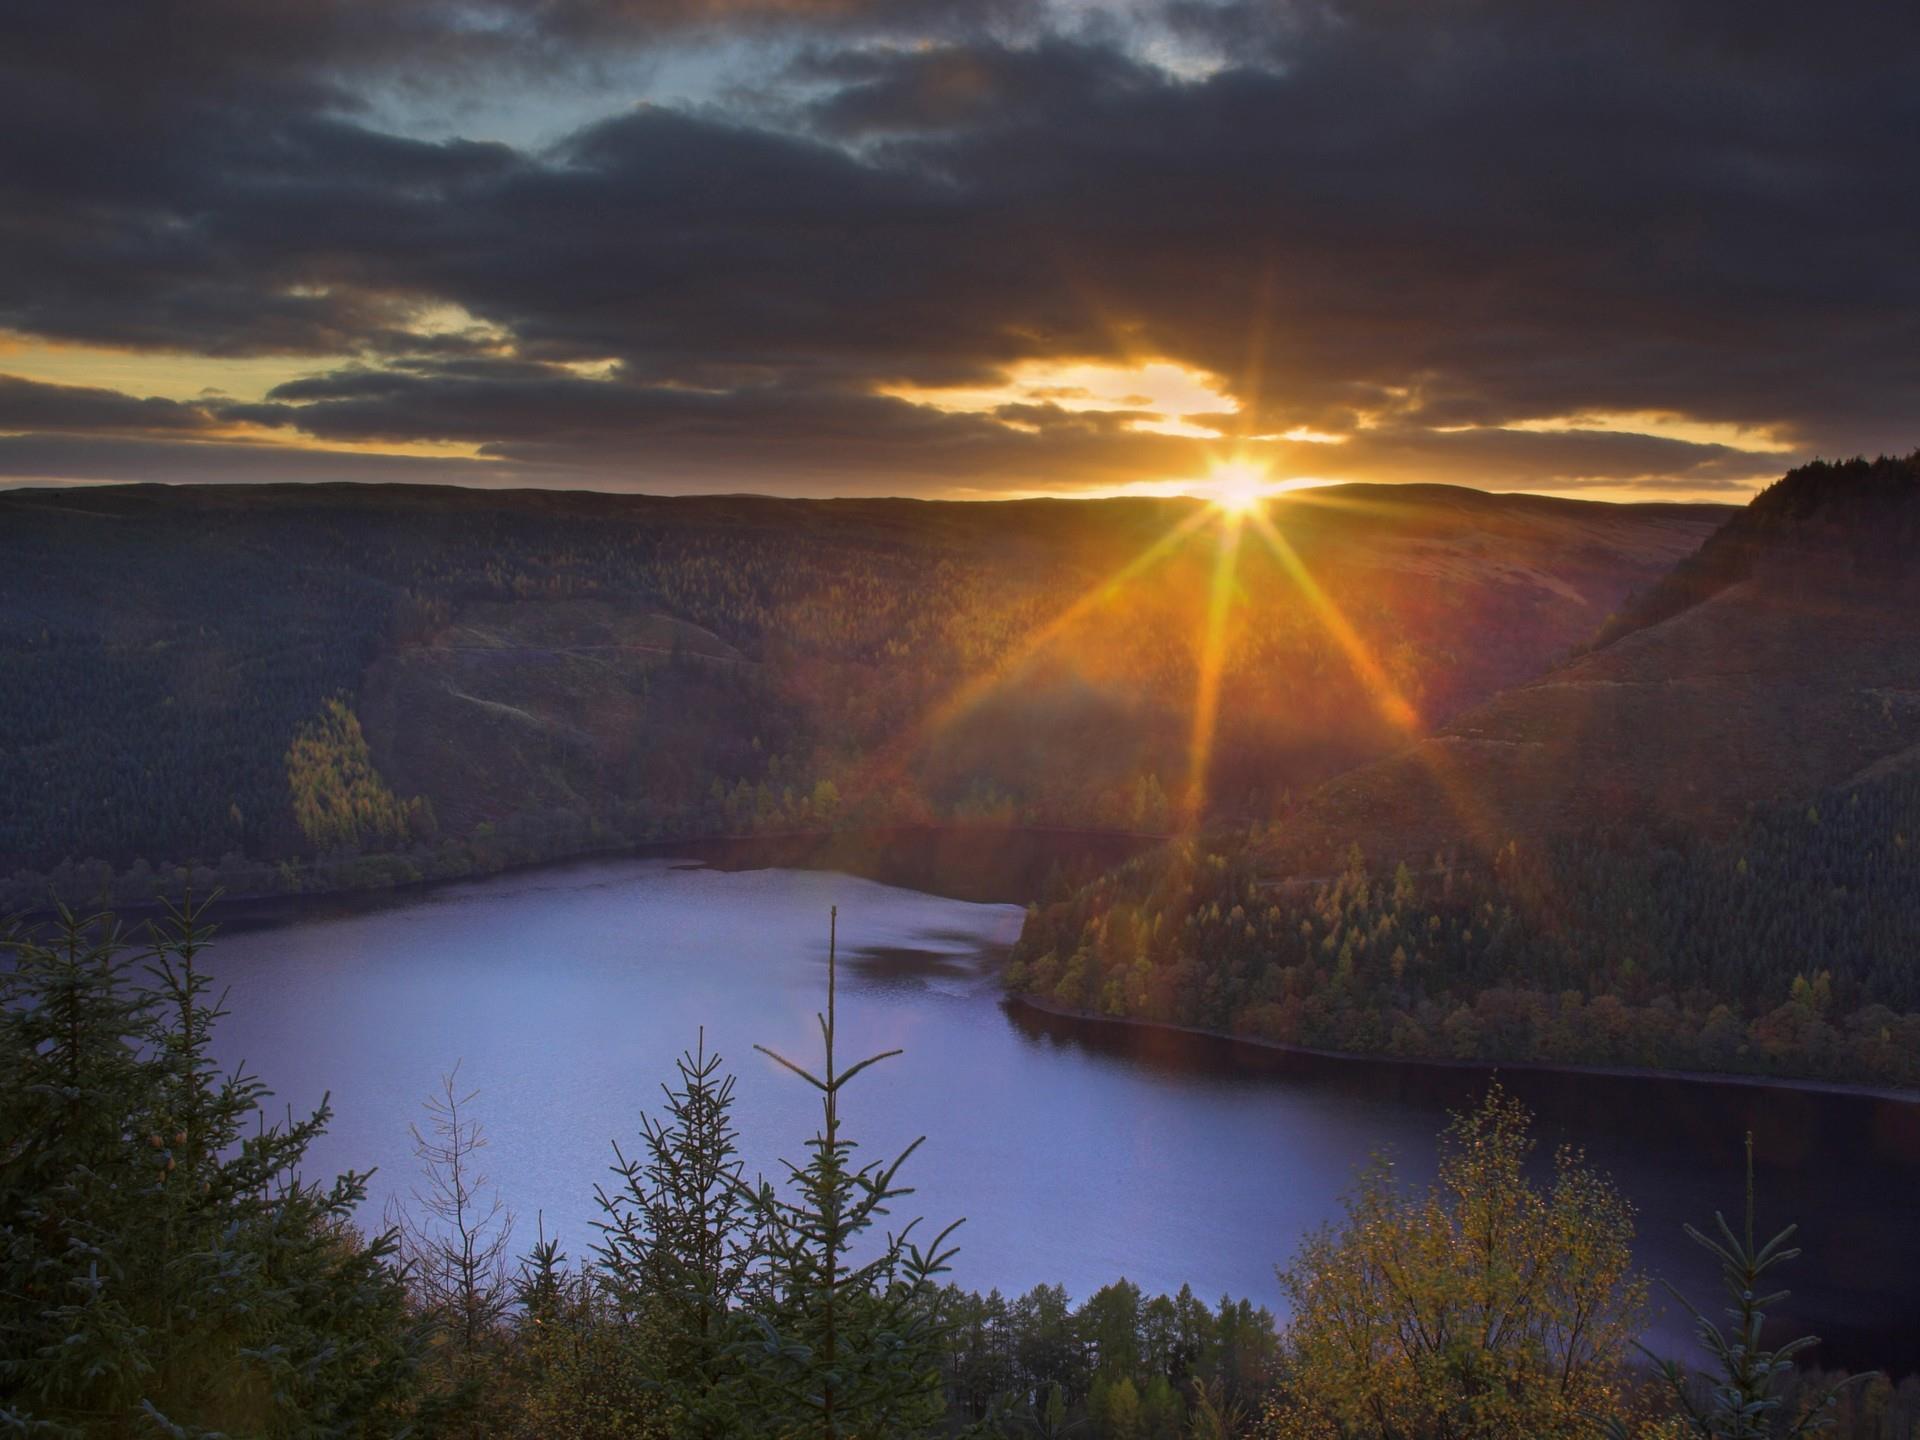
{"x": 1698, "y": 846}
{"x": 293, "y": 687}
{"x": 1782, "y": 658}
{"x": 1787, "y": 948}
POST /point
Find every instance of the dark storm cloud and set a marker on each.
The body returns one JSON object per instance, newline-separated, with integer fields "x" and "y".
{"x": 535, "y": 417}
{"x": 1512, "y": 459}
{"x": 42, "y": 458}
{"x": 31, "y": 405}
{"x": 958, "y": 88}
{"x": 1389, "y": 220}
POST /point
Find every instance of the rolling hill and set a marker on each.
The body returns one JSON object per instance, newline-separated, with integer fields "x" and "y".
{"x": 520, "y": 675}
{"x": 1696, "y": 843}
{"x": 1780, "y": 659}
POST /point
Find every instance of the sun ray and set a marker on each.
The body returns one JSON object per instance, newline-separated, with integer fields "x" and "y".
{"x": 1349, "y": 499}
{"x": 1254, "y": 377}
{"x": 1480, "y": 818}
{"x": 888, "y": 763}
{"x": 980, "y": 686}
{"x": 1213, "y": 654}
{"x": 1386, "y": 695}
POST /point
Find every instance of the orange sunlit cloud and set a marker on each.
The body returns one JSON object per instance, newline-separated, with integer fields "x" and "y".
{"x": 169, "y": 375}
{"x": 1663, "y": 425}
{"x": 1160, "y": 395}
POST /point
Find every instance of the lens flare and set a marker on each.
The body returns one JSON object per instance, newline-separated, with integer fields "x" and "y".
{"x": 1238, "y": 486}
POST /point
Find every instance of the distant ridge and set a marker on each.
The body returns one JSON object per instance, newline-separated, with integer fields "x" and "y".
{"x": 553, "y": 671}
{"x": 1781, "y": 658}
{"x": 1868, "y": 507}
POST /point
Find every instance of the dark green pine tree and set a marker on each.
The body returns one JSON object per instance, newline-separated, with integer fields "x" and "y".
{"x": 679, "y": 1242}
{"x": 163, "y": 1267}
{"x": 849, "y": 1335}
{"x": 1738, "y": 1397}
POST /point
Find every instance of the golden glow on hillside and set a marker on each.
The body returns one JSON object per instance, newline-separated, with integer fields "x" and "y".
{"x": 1199, "y": 565}
{"x": 1235, "y": 505}
{"x": 1379, "y": 684}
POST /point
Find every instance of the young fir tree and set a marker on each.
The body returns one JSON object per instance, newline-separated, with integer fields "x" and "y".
{"x": 163, "y": 1266}
{"x": 849, "y": 1334}
{"x": 577, "y": 1367}
{"x": 679, "y": 1243}
{"x": 1740, "y": 1397}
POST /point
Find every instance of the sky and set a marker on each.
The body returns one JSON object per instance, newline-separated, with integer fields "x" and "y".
{"x": 957, "y": 248}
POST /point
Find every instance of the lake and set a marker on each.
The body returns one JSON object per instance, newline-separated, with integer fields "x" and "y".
{"x": 1077, "y": 1152}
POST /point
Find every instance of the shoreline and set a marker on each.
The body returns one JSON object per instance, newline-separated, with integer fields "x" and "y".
{"x": 1856, "y": 1089}
{"x": 822, "y": 842}
{"x": 257, "y": 908}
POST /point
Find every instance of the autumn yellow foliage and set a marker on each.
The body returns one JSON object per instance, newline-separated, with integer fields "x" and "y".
{"x": 1487, "y": 1308}
{"x": 339, "y": 799}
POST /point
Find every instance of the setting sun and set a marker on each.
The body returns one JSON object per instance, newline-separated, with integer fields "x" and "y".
{"x": 1238, "y": 486}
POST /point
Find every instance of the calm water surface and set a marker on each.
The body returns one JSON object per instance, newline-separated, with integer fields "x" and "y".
{"x": 1077, "y": 1152}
